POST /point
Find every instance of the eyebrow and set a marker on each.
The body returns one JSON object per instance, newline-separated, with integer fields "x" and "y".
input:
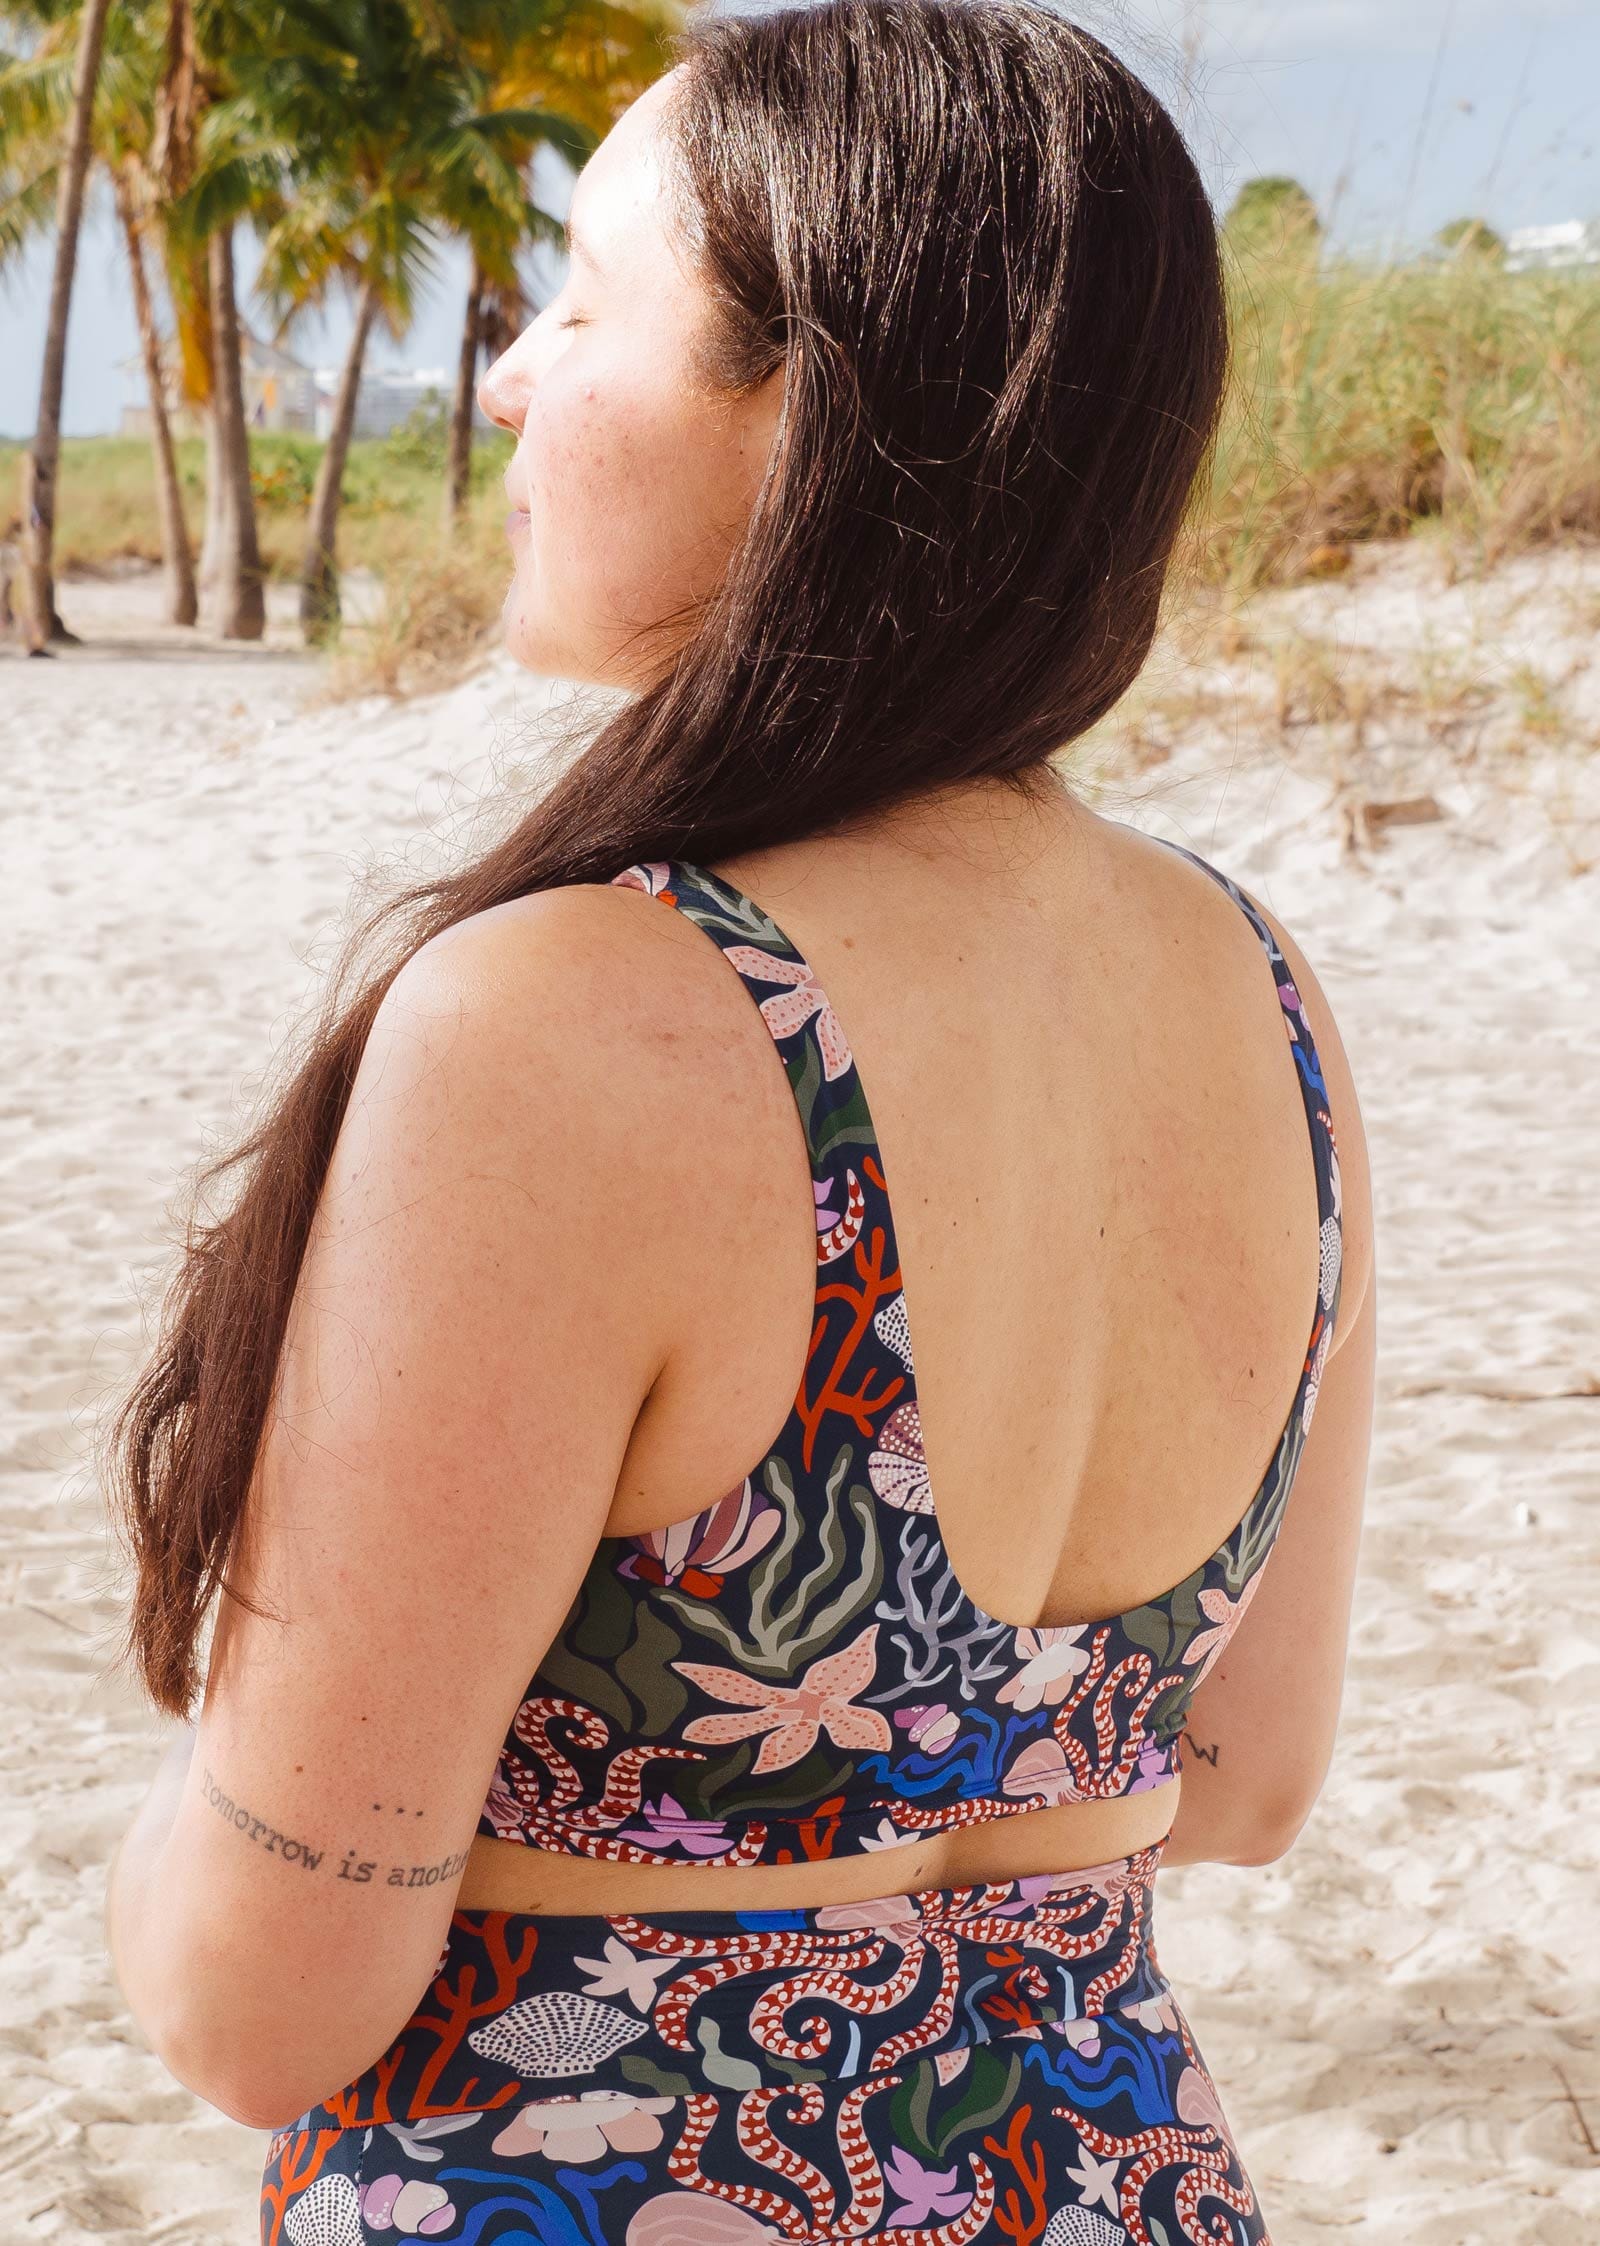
{"x": 578, "y": 246}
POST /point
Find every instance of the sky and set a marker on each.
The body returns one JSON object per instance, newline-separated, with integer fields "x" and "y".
{"x": 1397, "y": 115}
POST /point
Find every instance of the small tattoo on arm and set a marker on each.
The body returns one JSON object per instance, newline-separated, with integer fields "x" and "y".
{"x": 359, "y": 1871}
{"x": 1212, "y": 1755}
{"x": 257, "y": 1829}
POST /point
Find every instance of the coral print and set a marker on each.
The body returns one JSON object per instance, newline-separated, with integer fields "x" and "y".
{"x": 808, "y": 1626}
{"x": 938, "y": 2068}
{"x": 795, "y": 1673}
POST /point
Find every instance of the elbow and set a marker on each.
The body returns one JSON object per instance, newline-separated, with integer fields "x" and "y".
{"x": 231, "y": 2080}
{"x": 1268, "y": 1829}
{"x": 207, "y": 2053}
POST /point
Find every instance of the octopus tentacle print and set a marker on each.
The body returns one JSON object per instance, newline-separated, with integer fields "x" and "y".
{"x": 807, "y": 1620}
{"x": 866, "y": 2071}
{"x": 791, "y": 1673}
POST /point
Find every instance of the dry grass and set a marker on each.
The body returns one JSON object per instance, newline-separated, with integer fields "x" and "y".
{"x": 106, "y": 504}
{"x": 1367, "y": 400}
{"x": 441, "y": 604}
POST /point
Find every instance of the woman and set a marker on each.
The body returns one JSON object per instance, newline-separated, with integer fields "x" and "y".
{"x": 804, "y": 1891}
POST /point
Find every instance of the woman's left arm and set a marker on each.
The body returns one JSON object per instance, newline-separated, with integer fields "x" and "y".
{"x": 486, "y": 1300}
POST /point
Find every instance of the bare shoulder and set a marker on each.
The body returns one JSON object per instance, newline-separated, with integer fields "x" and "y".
{"x": 552, "y": 956}
{"x": 1344, "y": 1105}
{"x": 585, "y": 983}
{"x": 578, "y": 1034}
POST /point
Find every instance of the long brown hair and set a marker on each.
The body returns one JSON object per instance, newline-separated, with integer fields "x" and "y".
{"x": 979, "y": 251}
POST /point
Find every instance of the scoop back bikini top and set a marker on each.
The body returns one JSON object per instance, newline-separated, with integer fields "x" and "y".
{"x": 795, "y": 1672}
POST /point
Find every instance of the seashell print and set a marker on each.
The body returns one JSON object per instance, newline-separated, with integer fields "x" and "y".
{"x": 326, "y": 2213}
{"x": 422, "y": 2210}
{"x": 1314, "y": 1380}
{"x": 891, "y": 1326}
{"x": 1041, "y": 1768}
{"x": 691, "y": 2218}
{"x": 378, "y": 2200}
{"x": 1332, "y": 1250}
{"x": 650, "y": 874}
{"x": 557, "y": 2032}
{"x": 931, "y": 1726}
{"x": 1197, "y": 2103}
{"x": 700, "y": 1551}
{"x": 896, "y": 1466}
{"x": 1081, "y": 2226}
{"x": 894, "y": 1915}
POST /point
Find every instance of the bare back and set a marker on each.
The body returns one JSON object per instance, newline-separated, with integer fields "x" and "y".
{"x": 1107, "y": 1218}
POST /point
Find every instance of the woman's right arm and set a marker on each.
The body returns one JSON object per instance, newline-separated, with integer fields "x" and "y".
{"x": 1262, "y": 1726}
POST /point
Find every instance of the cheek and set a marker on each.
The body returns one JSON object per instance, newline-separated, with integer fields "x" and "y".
{"x": 624, "y": 498}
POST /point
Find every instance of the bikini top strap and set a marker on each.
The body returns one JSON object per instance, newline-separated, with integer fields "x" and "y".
{"x": 1314, "y": 1096}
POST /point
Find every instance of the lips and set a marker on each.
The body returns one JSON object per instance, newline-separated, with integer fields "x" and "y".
{"x": 517, "y": 517}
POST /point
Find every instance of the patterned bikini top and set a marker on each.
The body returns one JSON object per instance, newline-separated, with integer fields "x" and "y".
{"x": 796, "y": 1672}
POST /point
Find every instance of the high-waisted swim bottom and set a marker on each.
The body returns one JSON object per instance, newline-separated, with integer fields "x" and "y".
{"x": 1000, "y": 2063}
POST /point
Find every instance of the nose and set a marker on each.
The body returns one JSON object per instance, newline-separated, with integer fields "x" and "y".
{"x": 502, "y": 394}
{"x": 506, "y": 385}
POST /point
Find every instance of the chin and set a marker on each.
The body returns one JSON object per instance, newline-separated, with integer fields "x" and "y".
{"x": 526, "y": 639}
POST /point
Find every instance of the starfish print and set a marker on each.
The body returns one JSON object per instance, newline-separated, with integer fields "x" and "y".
{"x": 621, "y": 1973}
{"x": 792, "y": 1715}
{"x": 795, "y": 1006}
{"x": 1223, "y": 1614}
{"x": 1096, "y": 2180}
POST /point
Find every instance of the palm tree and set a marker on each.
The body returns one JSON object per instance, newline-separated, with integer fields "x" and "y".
{"x": 381, "y": 122}
{"x": 35, "y": 104}
{"x": 42, "y": 624}
{"x": 575, "y": 65}
{"x": 183, "y": 606}
{"x": 209, "y": 178}
{"x": 147, "y": 112}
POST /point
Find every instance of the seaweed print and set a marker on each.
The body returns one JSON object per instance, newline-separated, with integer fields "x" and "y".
{"x": 984, "y": 2063}
{"x": 793, "y": 1673}
{"x": 796, "y": 1670}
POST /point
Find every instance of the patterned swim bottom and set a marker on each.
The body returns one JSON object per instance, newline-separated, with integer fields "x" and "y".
{"x": 1002, "y": 2063}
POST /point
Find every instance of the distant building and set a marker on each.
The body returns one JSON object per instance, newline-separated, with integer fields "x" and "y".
{"x": 1573, "y": 241}
{"x": 281, "y": 393}
{"x": 388, "y": 397}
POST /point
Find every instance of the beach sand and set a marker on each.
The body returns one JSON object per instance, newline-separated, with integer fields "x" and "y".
{"x": 1402, "y": 2013}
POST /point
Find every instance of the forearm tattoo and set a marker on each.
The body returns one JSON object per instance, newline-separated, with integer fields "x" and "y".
{"x": 357, "y": 1869}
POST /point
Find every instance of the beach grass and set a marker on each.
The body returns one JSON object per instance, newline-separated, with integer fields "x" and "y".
{"x": 1366, "y": 402}
{"x": 106, "y": 506}
{"x": 1369, "y": 400}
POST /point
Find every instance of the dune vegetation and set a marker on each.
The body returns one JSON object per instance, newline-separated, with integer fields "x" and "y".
{"x": 1366, "y": 403}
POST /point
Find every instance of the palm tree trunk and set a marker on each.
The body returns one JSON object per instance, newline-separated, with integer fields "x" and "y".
{"x": 40, "y": 464}
{"x": 241, "y": 600}
{"x": 182, "y": 605}
{"x": 319, "y": 573}
{"x": 214, "y": 535}
{"x": 458, "y": 465}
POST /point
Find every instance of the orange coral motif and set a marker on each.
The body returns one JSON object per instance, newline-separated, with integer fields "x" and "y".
{"x": 792, "y": 1715}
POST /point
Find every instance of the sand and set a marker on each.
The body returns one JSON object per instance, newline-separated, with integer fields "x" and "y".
{"x": 1401, "y": 2014}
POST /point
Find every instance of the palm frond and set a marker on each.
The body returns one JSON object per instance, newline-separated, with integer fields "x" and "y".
{"x": 27, "y": 210}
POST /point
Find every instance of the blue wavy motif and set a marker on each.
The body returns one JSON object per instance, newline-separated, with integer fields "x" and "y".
{"x": 978, "y": 1757}
{"x": 1125, "y": 2066}
{"x": 555, "y": 2222}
